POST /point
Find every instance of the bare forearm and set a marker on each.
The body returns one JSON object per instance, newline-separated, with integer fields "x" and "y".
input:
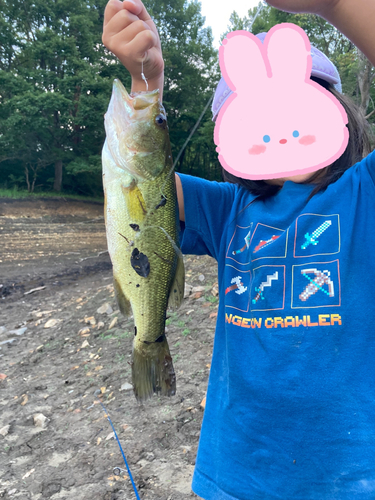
{"x": 356, "y": 19}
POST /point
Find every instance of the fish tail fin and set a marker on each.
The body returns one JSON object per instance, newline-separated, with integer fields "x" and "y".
{"x": 152, "y": 369}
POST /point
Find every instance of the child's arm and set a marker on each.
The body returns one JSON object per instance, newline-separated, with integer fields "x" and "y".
{"x": 131, "y": 35}
{"x": 354, "y": 18}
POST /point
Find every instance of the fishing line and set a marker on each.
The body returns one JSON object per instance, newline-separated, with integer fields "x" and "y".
{"x": 122, "y": 453}
{"x": 143, "y": 77}
{"x": 185, "y": 144}
{"x": 260, "y": 8}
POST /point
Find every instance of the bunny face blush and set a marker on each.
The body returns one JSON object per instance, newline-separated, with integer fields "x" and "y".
{"x": 277, "y": 122}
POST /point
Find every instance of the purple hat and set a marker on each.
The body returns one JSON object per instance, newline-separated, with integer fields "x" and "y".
{"x": 322, "y": 68}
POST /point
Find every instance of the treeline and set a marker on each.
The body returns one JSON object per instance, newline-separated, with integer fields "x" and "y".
{"x": 56, "y": 78}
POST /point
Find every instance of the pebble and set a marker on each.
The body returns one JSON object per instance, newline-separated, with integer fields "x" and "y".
{"x": 91, "y": 320}
{"x": 201, "y": 277}
{"x": 188, "y": 289}
{"x": 19, "y": 331}
{"x": 126, "y": 387}
{"x": 105, "y": 309}
{"x": 51, "y": 323}
{"x": 4, "y": 430}
{"x": 100, "y": 325}
{"x": 40, "y": 420}
{"x": 113, "y": 322}
{"x": 9, "y": 341}
{"x": 85, "y": 344}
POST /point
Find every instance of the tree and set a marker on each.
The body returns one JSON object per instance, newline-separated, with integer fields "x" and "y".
{"x": 53, "y": 94}
{"x": 191, "y": 75}
{"x": 56, "y": 79}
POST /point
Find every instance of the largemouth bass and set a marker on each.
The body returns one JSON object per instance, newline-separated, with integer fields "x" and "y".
{"x": 141, "y": 219}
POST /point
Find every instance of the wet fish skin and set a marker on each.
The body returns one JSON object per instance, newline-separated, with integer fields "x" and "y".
{"x": 142, "y": 231}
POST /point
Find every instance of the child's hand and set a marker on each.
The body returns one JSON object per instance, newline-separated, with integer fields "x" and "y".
{"x": 131, "y": 35}
{"x": 354, "y": 18}
{"x": 319, "y": 7}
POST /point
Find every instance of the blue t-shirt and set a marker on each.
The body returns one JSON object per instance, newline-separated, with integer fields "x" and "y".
{"x": 290, "y": 410}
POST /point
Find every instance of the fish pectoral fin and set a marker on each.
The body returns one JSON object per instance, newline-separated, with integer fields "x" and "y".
{"x": 176, "y": 294}
{"x": 122, "y": 301}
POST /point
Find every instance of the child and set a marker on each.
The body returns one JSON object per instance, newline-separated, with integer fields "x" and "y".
{"x": 290, "y": 408}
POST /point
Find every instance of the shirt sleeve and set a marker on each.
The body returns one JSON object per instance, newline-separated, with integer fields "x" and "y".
{"x": 207, "y": 205}
{"x": 369, "y": 163}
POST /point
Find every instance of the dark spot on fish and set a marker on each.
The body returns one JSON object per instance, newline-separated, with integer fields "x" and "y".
{"x": 161, "y": 121}
{"x": 137, "y": 285}
{"x": 175, "y": 291}
{"x": 162, "y": 202}
{"x": 135, "y": 331}
{"x": 159, "y": 339}
{"x": 140, "y": 263}
{"x": 134, "y": 226}
{"x": 125, "y": 238}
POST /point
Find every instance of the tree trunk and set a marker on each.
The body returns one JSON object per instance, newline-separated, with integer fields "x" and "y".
{"x": 58, "y": 175}
{"x": 365, "y": 77}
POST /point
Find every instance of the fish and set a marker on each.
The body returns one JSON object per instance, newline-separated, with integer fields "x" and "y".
{"x": 142, "y": 229}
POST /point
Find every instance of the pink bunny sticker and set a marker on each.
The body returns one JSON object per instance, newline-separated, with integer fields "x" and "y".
{"x": 278, "y": 122}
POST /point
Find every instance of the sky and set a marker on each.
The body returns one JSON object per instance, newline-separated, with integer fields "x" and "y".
{"x": 217, "y": 13}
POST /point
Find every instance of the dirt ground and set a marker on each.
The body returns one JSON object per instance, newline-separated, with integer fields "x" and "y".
{"x": 64, "y": 347}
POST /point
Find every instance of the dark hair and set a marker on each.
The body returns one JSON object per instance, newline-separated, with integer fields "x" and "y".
{"x": 358, "y": 147}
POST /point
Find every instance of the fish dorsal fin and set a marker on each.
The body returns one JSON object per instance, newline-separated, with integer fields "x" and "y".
{"x": 176, "y": 294}
{"x": 122, "y": 300}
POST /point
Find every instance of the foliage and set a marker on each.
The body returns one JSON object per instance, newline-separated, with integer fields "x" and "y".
{"x": 56, "y": 78}
{"x": 55, "y": 84}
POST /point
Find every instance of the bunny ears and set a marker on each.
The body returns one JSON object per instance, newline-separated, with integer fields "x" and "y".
{"x": 278, "y": 122}
{"x": 322, "y": 68}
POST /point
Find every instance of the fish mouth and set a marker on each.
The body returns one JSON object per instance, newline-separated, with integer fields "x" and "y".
{"x": 137, "y": 102}
{"x": 127, "y": 123}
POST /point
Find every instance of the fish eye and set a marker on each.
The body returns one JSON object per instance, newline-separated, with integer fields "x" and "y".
{"x": 266, "y": 138}
{"x": 161, "y": 121}
{"x": 296, "y": 133}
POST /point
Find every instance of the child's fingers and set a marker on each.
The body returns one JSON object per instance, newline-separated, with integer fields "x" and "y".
{"x": 136, "y": 45}
{"x": 137, "y": 8}
{"x": 121, "y": 20}
{"x": 112, "y": 8}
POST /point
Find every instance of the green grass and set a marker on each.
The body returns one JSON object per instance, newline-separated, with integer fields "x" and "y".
{"x": 212, "y": 299}
{"x": 17, "y": 194}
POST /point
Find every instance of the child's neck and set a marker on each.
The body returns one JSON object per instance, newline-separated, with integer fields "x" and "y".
{"x": 298, "y": 179}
